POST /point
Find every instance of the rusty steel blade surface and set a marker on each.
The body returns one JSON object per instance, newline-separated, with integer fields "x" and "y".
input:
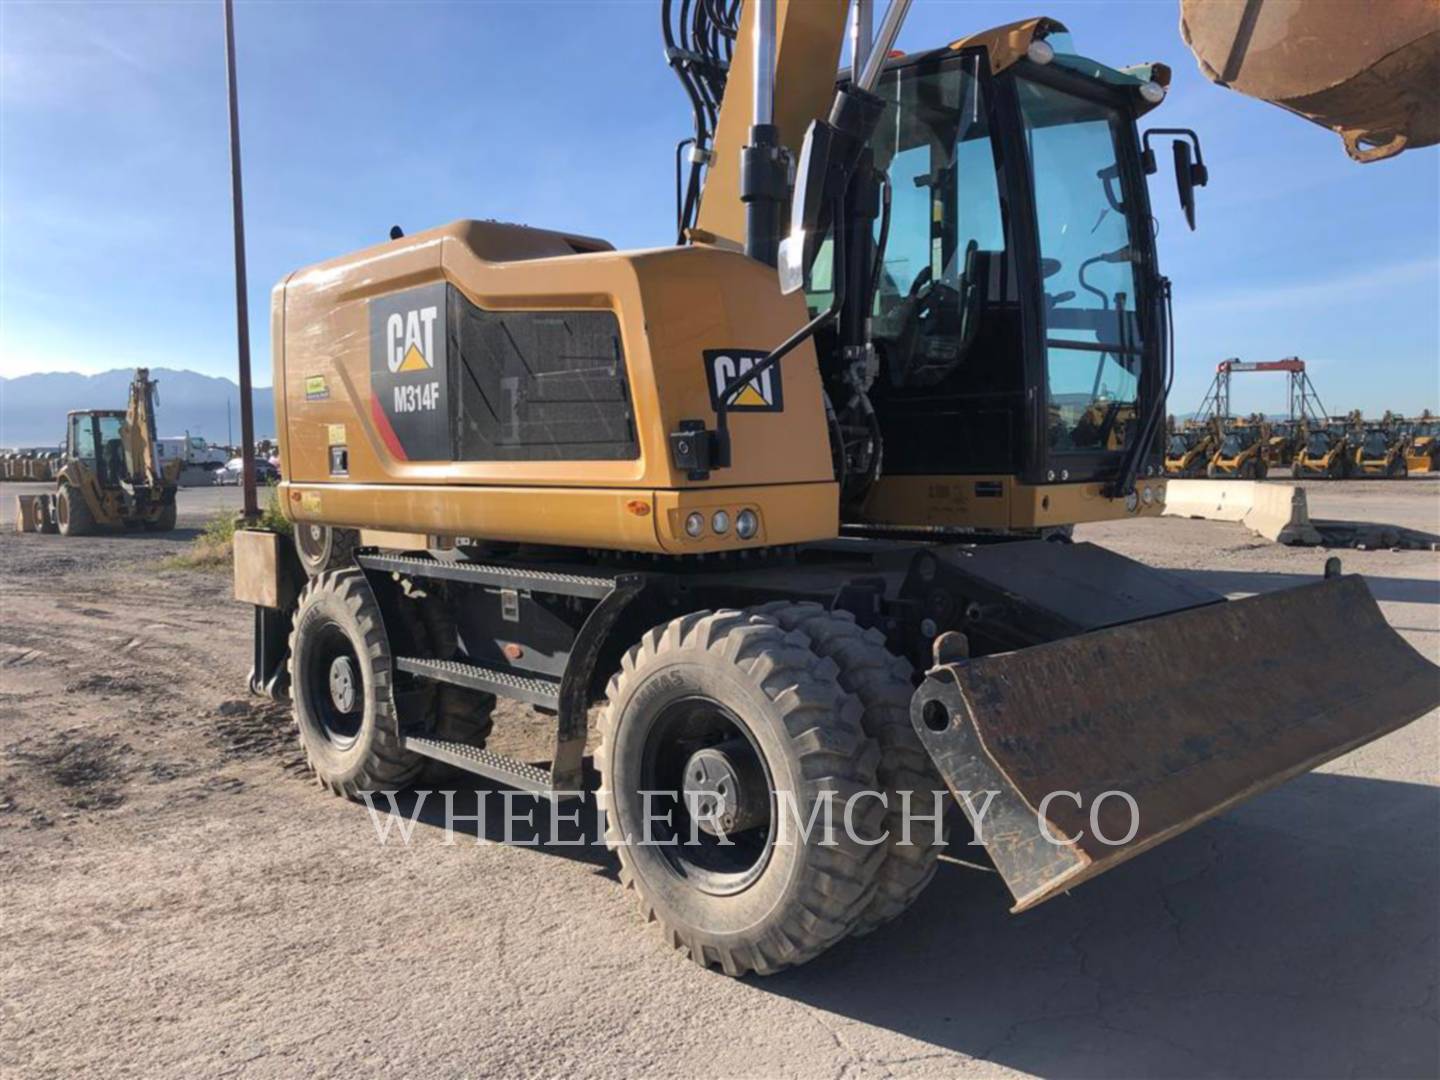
{"x": 1188, "y": 713}
{"x": 1366, "y": 71}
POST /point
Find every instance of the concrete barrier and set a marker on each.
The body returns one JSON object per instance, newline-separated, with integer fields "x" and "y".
{"x": 1275, "y": 511}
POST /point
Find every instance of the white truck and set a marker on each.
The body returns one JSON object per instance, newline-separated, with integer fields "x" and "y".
{"x": 201, "y": 463}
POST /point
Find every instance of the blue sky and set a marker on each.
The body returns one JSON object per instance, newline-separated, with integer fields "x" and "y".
{"x": 114, "y": 206}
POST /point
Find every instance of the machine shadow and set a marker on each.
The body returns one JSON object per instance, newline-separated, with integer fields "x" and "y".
{"x": 1295, "y": 936}
{"x": 1384, "y": 589}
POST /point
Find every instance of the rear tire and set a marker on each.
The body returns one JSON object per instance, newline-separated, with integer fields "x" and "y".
{"x": 341, "y": 686}
{"x": 322, "y": 547}
{"x": 884, "y": 683}
{"x": 44, "y": 511}
{"x": 72, "y": 513}
{"x": 736, "y": 684}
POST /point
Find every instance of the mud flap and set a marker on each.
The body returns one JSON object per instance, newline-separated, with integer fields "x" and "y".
{"x": 1188, "y": 714}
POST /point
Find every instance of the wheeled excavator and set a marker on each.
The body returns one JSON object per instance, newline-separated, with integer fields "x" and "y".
{"x": 788, "y": 499}
{"x": 109, "y": 476}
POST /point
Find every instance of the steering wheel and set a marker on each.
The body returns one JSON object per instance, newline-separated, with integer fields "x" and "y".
{"x": 929, "y": 309}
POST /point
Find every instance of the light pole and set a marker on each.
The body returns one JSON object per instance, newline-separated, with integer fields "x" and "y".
{"x": 242, "y": 306}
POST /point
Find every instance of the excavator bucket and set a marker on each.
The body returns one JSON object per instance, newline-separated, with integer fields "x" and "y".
{"x": 1367, "y": 72}
{"x": 1104, "y": 744}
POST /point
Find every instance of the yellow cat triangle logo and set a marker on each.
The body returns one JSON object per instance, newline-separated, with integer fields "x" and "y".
{"x": 750, "y": 396}
{"x": 759, "y": 392}
{"x": 414, "y": 360}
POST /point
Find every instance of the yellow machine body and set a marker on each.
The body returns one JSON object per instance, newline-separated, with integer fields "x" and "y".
{"x": 343, "y": 464}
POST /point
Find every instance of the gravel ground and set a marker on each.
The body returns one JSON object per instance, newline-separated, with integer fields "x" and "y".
{"x": 177, "y": 899}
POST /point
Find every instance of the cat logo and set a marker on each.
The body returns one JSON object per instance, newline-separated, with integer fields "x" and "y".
{"x": 764, "y": 393}
{"x": 410, "y": 339}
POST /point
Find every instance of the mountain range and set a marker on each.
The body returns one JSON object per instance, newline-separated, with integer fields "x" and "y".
{"x": 33, "y": 407}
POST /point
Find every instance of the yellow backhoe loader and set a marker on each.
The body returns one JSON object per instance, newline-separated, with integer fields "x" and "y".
{"x": 1328, "y": 454}
{"x": 1190, "y": 449}
{"x": 1423, "y": 453}
{"x": 109, "y": 476}
{"x": 774, "y": 497}
{"x": 1383, "y": 451}
{"x": 1241, "y": 453}
{"x": 1286, "y": 438}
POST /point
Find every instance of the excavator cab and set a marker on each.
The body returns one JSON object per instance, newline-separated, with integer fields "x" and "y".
{"x": 1017, "y": 312}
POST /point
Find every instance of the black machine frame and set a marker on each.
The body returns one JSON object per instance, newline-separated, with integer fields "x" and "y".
{"x": 547, "y": 627}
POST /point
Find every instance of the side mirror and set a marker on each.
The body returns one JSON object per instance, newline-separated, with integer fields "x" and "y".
{"x": 1190, "y": 173}
{"x": 807, "y": 209}
{"x": 1185, "y": 180}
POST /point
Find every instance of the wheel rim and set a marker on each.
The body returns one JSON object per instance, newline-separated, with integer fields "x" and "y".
{"x": 334, "y": 689}
{"x": 62, "y": 509}
{"x": 693, "y": 746}
{"x": 311, "y": 539}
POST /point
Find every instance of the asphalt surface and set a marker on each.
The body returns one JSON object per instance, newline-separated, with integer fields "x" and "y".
{"x": 176, "y": 899}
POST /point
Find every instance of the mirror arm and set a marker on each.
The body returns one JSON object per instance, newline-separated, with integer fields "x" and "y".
{"x": 720, "y": 456}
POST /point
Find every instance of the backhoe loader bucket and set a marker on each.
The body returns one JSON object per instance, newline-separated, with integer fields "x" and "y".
{"x": 1185, "y": 714}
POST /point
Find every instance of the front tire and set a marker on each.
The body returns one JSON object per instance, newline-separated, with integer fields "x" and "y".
{"x": 341, "y": 686}
{"x": 72, "y": 513}
{"x": 884, "y": 683}
{"x": 732, "y": 698}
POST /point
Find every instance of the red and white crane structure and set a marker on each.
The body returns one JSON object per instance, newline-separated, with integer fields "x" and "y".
{"x": 1304, "y": 402}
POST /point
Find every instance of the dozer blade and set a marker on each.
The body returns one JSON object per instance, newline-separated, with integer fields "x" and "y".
{"x": 1188, "y": 714}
